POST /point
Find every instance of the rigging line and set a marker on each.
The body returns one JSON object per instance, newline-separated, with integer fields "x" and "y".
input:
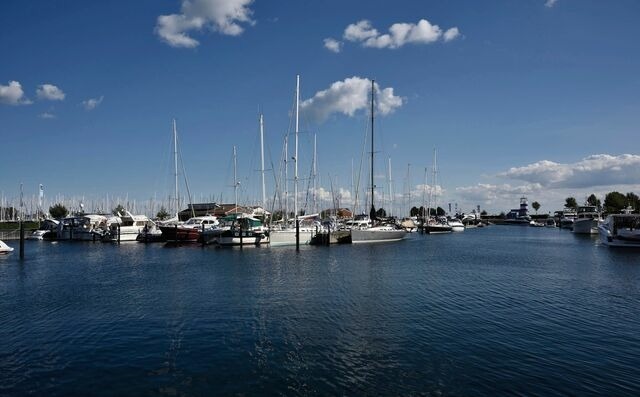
{"x": 186, "y": 181}
{"x": 359, "y": 174}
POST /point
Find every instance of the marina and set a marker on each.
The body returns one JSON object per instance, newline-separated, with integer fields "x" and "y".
{"x": 500, "y": 309}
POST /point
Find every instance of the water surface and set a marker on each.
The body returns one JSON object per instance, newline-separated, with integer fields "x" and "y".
{"x": 499, "y": 310}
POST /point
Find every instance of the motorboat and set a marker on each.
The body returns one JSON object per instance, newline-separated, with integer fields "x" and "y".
{"x": 536, "y": 224}
{"x": 620, "y": 230}
{"x": 568, "y": 218}
{"x": 47, "y": 231}
{"x": 4, "y": 248}
{"x": 190, "y": 230}
{"x": 456, "y": 225}
{"x": 244, "y": 230}
{"x": 550, "y": 222}
{"x": 127, "y": 227}
{"x": 587, "y": 220}
{"x": 88, "y": 227}
{"x": 437, "y": 225}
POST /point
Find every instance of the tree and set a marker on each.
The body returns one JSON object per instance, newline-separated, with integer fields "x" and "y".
{"x": 119, "y": 210}
{"x": 614, "y": 202}
{"x": 483, "y": 213}
{"x": 571, "y": 202}
{"x": 162, "y": 214}
{"x": 633, "y": 200}
{"x": 381, "y": 213}
{"x": 536, "y": 206}
{"x": 58, "y": 211}
{"x": 414, "y": 211}
{"x": 440, "y": 212}
{"x": 593, "y": 200}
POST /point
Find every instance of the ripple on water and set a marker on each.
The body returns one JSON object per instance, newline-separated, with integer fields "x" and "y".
{"x": 515, "y": 311}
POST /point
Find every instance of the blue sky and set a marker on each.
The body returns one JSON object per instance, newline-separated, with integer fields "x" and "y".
{"x": 518, "y": 97}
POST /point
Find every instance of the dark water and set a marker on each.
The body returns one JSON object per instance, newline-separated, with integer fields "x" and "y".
{"x": 494, "y": 311}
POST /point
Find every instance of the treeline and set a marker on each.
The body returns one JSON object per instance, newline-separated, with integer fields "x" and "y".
{"x": 614, "y": 202}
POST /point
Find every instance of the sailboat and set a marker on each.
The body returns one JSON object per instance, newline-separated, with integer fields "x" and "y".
{"x": 288, "y": 234}
{"x": 437, "y": 224}
{"x": 376, "y": 232}
{"x": 173, "y": 230}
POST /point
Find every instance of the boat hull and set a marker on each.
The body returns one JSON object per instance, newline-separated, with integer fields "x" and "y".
{"x": 230, "y": 238}
{"x": 585, "y": 226}
{"x": 360, "y": 236}
{"x": 279, "y": 238}
{"x": 180, "y": 234}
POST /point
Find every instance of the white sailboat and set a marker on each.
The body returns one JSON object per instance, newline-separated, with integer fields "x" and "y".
{"x": 289, "y": 234}
{"x": 376, "y": 232}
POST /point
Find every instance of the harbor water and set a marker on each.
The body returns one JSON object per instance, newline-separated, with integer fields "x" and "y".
{"x": 494, "y": 311}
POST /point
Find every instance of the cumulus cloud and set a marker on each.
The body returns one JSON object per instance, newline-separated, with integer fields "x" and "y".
{"x": 50, "y": 92}
{"x": 92, "y": 103}
{"x": 595, "y": 170}
{"x": 222, "y": 16}
{"x": 487, "y": 193}
{"x": 399, "y": 34}
{"x": 332, "y": 45}
{"x": 348, "y": 97}
{"x": 13, "y": 94}
{"x": 450, "y": 34}
{"x": 550, "y": 3}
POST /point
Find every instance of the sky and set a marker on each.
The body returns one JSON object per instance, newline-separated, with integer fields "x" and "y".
{"x": 536, "y": 98}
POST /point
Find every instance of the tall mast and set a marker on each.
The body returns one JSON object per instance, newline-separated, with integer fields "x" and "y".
{"x": 315, "y": 165}
{"x": 390, "y": 190}
{"x": 372, "y": 213}
{"x": 235, "y": 179}
{"x": 264, "y": 194}
{"x": 175, "y": 161}
{"x": 295, "y": 157}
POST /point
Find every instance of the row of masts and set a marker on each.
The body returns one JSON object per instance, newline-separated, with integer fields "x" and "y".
{"x": 176, "y": 203}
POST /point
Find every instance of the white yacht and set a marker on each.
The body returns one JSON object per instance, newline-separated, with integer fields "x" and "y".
{"x": 377, "y": 234}
{"x": 127, "y": 227}
{"x": 4, "y": 248}
{"x": 568, "y": 218}
{"x": 47, "y": 230}
{"x": 587, "y": 220}
{"x": 620, "y": 230}
{"x": 84, "y": 228}
{"x": 456, "y": 225}
{"x": 286, "y": 235}
{"x": 244, "y": 230}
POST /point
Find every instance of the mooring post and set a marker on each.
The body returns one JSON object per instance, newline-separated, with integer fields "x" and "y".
{"x": 21, "y": 239}
{"x": 241, "y": 238}
{"x": 202, "y": 235}
{"x": 328, "y": 235}
{"x": 118, "y": 233}
{"x": 297, "y": 234}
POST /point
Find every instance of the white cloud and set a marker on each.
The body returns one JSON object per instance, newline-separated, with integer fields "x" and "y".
{"x": 399, "y": 34}
{"x": 47, "y": 115}
{"x": 50, "y": 92}
{"x": 92, "y": 103}
{"x": 348, "y": 97}
{"x": 13, "y": 94}
{"x": 451, "y": 34}
{"x": 332, "y": 45}
{"x": 550, "y": 3}
{"x": 360, "y": 31}
{"x": 223, "y": 16}
{"x": 595, "y": 170}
